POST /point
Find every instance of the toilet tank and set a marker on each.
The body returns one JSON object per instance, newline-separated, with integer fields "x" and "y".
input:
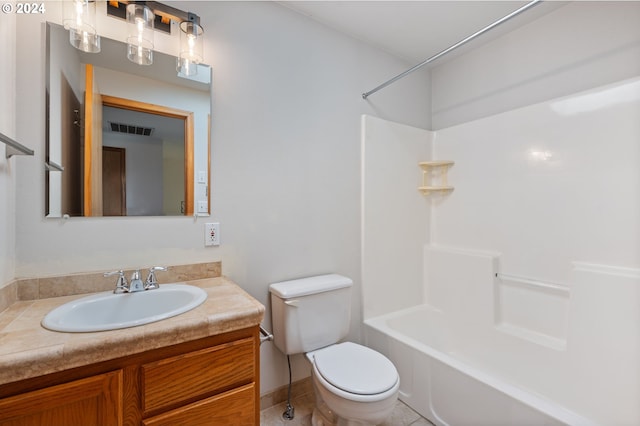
{"x": 310, "y": 313}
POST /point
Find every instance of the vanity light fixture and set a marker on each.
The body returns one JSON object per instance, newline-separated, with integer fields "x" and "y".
{"x": 145, "y": 17}
{"x": 79, "y": 17}
{"x": 190, "y": 45}
{"x": 140, "y": 19}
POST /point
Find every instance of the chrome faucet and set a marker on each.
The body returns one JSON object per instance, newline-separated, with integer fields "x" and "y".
{"x": 136, "y": 284}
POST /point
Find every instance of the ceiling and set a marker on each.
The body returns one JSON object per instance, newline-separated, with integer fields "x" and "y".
{"x": 417, "y": 30}
{"x": 412, "y": 30}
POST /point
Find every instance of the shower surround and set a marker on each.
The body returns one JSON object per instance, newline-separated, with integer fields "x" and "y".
{"x": 516, "y": 295}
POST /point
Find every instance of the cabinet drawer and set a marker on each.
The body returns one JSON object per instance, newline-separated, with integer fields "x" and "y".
{"x": 232, "y": 408}
{"x": 201, "y": 373}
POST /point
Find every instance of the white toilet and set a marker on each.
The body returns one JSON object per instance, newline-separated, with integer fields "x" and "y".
{"x": 354, "y": 385}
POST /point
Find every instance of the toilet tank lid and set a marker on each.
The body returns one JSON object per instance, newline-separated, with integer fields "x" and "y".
{"x": 309, "y": 285}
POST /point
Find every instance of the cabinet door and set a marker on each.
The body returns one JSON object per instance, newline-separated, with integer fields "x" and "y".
{"x": 233, "y": 408}
{"x": 92, "y": 401}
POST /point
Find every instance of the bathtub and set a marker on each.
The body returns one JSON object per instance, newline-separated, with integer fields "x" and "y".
{"x": 516, "y": 337}
{"x": 442, "y": 380}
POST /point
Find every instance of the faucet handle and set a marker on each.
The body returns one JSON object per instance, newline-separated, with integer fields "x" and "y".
{"x": 151, "y": 282}
{"x": 121, "y": 285}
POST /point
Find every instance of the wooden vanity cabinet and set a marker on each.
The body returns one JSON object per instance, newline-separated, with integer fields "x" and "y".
{"x": 211, "y": 381}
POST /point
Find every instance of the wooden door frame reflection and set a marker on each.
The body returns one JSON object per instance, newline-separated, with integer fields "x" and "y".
{"x": 186, "y": 116}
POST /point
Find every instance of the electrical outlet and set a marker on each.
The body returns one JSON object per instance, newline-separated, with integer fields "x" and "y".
{"x": 212, "y": 234}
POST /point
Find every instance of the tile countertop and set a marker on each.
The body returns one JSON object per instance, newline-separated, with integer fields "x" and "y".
{"x": 29, "y": 350}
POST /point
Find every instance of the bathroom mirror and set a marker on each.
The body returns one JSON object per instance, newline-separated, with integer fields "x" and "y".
{"x": 124, "y": 139}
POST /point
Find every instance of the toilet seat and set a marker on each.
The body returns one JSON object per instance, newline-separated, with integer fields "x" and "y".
{"x": 356, "y": 370}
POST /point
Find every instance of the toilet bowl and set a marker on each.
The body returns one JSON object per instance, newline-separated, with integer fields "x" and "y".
{"x": 354, "y": 385}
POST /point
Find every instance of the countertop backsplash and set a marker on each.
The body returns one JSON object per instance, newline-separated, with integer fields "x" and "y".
{"x": 67, "y": 285}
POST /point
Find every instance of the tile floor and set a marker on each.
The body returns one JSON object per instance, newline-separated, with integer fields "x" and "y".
{"x": 303, "y": 405}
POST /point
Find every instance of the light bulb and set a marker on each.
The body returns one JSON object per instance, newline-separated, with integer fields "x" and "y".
{"x": 190, "y": 48}
{"x": 140, "y": 20}
{"x": 80, "y": 19}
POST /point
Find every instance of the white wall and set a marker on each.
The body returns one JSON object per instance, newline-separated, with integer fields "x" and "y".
{"x": 285, "y": 159}
{"x": 395, "y": 215}
{"x": 7, "y": 166}
{"x": 548, "y": 184}
{"x": 286, "y": 148}
{"x": 579, "y": 46}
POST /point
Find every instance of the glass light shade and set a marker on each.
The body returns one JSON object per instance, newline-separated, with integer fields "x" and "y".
{"x": 140, "y": 39}
{"x": 191, "y": 48}
{"x": 79, "y": 17}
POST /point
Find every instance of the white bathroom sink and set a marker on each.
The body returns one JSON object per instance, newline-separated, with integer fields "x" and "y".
{"x": 108, "y": 311}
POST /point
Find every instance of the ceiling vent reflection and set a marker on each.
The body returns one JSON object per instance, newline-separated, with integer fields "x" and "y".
{"x": 131, "y": 129}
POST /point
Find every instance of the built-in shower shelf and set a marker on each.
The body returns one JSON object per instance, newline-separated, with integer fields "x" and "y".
{"x": 434, "y": 176}
{"x": 433, "y": 164}
{"x": 427, "y": 189}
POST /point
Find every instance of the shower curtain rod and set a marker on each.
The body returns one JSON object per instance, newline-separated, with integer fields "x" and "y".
{"x": 365, "y": 95}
